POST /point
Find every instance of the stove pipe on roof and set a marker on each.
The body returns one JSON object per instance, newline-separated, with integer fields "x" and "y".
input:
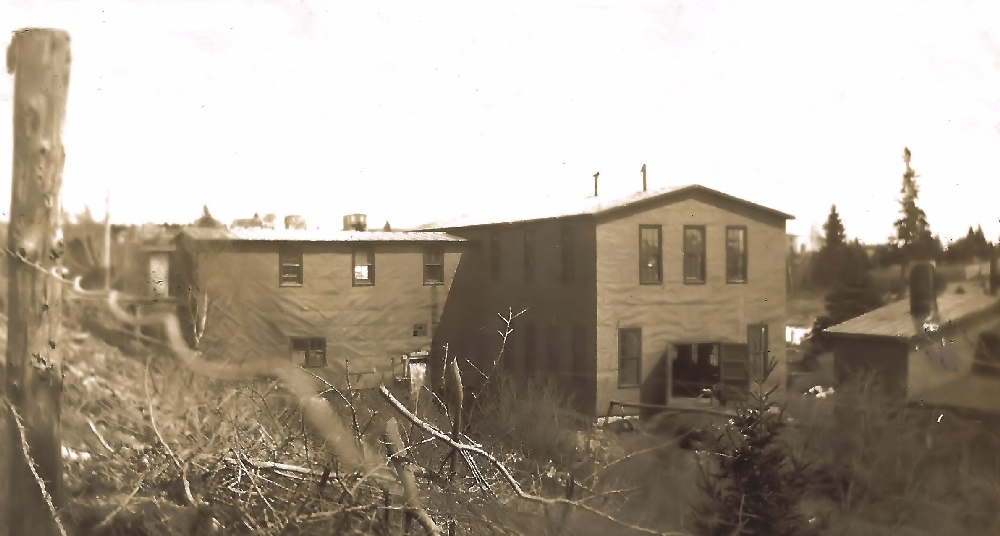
{"x": 355, "y": 222}
{"x": 923, "y": 295}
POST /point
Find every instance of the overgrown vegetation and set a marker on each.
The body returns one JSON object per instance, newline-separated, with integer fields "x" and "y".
{"x": 885, "y": 468}
{"x": 751, "y": 480}
{"x": 153, "y": 448}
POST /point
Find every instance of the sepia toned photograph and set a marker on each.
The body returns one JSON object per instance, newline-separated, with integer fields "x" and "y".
{"x": 563, "y": 267}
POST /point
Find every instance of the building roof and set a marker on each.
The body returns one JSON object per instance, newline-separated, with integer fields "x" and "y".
{"x": 313, "y": 235}
{"x": 590, "y": 206}
{"x": 895, "y": 320}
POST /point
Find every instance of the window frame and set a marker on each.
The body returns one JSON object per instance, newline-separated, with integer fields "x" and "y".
{"x": 309, "y": 342}
{"x": 636, "y": 358}
{"x": 370, "y": 252}
{"x": 429, "y": 253}
{"x": 659, "y": 254}
{"x": 496, "y": 256}
{"x": 684, "y": 256}
{"x": 745, "y": 254}
{"x": 291, "y": 256}
{"x": 529, "y": 255}
{"x": 758, "y": 355}
{"x": 567, "y": 254}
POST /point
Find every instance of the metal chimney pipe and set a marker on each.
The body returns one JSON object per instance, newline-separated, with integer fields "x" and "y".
{"x": 923, "y": 295}
{"x": 643, "y": 177}
{"x": 595, "y": 182}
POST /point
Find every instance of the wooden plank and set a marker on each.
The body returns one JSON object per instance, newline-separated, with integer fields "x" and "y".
{"x": 39, "y": 59}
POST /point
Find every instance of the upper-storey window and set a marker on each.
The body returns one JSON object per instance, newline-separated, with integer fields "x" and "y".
{"x": 736, "y": 254}
{"x": 694, "y": 253}
{"x": 434, "y": 266}
{"x": 364, "y": 267}
{"x": 290, "y": 265}
{"x": 650, "y": 254}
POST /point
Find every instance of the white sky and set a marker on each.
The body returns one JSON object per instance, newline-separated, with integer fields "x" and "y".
{"x": 412, "y": 111}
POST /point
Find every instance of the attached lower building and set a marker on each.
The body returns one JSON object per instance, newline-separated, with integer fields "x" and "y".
{"x": 344, "y": 304}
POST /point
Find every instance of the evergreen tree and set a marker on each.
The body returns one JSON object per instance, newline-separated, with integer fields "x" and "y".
{"x": 834, "y": 229}
{"x": 913, "y": 233}
{"x": 973, "y": 244}
{"x": 753, "y": 483}
{"x": 206, "y": 219}
{"x": 830, "y": 258}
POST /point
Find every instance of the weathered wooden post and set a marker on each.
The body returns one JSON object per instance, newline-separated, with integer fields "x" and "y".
{"x": 39, "y": 59}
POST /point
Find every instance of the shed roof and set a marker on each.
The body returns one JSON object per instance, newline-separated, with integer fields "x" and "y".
{"x": 895, "y": 320}
{"x": 590, "y": 206}
{"x": 311, "y": 235}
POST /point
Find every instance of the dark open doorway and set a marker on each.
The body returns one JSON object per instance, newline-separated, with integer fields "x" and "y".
{"x": 695, "y": 369}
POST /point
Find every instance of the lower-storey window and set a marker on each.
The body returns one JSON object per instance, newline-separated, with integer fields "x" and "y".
{"x": 309, "y": 351}
{"x": 629, "y": 357}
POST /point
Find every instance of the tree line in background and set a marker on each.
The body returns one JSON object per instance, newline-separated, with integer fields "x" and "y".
{"x": 844, "y": 266}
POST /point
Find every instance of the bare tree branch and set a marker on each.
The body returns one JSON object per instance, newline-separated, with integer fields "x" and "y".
{"x": 509, "y": 478}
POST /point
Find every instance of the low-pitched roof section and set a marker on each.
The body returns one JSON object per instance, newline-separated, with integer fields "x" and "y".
{"x": 591, "y": 206}
{"x": 895, "y": 321}
{"x": 313, "y": 235}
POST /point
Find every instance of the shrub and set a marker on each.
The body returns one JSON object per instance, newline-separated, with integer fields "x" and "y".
{"x": 906, "y": 469}
{"x": 752, "y": 484}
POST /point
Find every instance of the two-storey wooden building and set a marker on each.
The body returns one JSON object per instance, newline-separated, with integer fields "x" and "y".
{"x": 334, "y": 301}
{"x": 648, "y": 299}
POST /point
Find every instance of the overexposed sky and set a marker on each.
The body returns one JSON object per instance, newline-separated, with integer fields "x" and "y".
{"x": 413, "y": 111}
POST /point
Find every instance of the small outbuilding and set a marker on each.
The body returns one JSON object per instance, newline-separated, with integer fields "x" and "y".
{"x": 937, "y": 348}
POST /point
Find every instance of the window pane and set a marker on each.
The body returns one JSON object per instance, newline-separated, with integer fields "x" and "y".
{"x": 290, "y": 266}
{"x": 309, "y": 352}
{"x": 630, "y": 344}
{"x": 434, "y": 274}
{"x": 736, "y": 269}
{"x": 628, "y": 372}
{"x": 629, "y": 356}
{"x": 694, "y": 254}
{"x": 434, "y": 257}
{"x": 650, "y": 255}
{"x": 692, "y": 241}
{"x": 364, "y": 266}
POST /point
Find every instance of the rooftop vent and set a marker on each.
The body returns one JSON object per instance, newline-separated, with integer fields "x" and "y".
{"x": 355, "y": 222}
{"x": 923, "y": 295}
{"x": 294, "y": 222}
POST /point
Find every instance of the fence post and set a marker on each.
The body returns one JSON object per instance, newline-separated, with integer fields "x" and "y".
{"x": 39, "y": 59}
